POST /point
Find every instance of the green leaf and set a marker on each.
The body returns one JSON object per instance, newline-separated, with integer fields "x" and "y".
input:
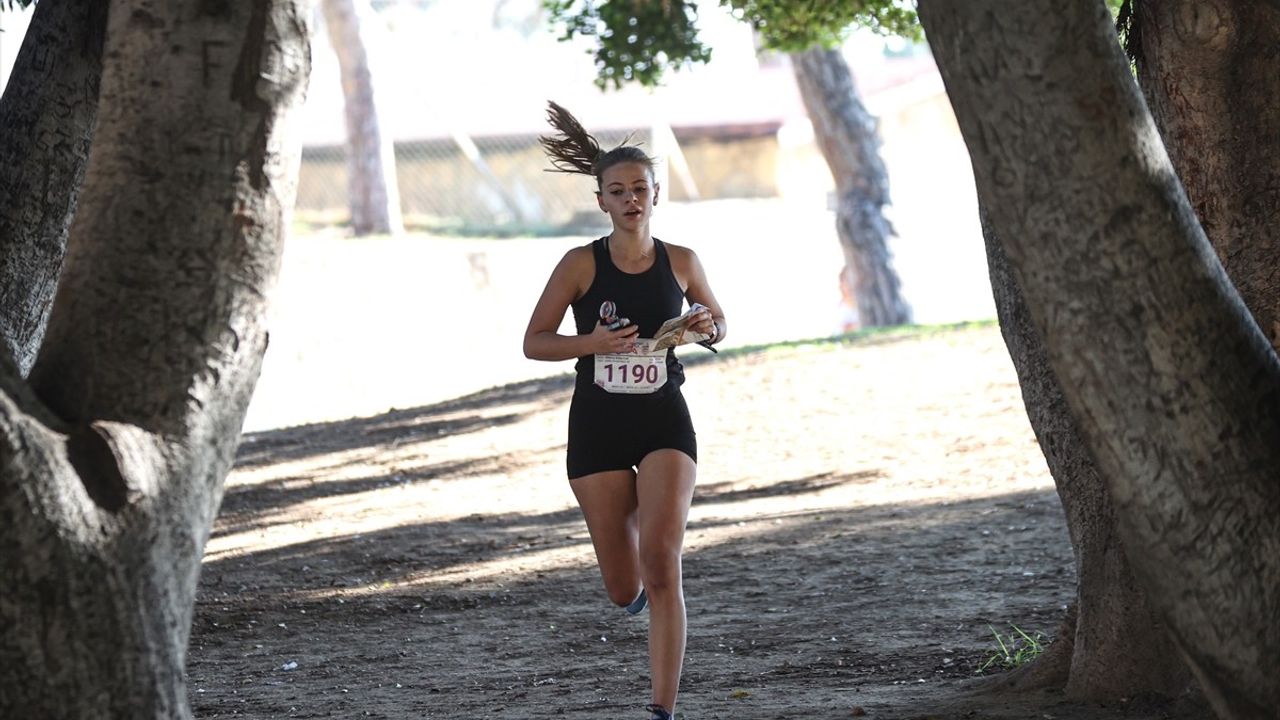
{"x": 636, "y": 40}
{"x": 640, "y": 40}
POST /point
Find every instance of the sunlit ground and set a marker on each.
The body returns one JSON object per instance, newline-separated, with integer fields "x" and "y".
{"x": 865, "y": 510}
{"x": 877, "y": 423}
{"x": 884, "y": 424}
{"x": 361, "y": 326}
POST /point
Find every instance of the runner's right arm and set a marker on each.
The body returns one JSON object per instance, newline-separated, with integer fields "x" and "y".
{"x": 569, "y": 281}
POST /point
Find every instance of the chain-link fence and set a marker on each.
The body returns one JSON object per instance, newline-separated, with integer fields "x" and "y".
{"x": 500, "y": 184}
{"x": 460, "y": 86}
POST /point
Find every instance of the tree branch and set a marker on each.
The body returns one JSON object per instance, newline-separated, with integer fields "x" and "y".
{"x": 1210, "y": 80}
{"x": 159, "y": 318}
{"x": 47, "y": 112}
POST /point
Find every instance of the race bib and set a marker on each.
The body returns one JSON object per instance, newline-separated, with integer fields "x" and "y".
{"x": 638, "y": 373}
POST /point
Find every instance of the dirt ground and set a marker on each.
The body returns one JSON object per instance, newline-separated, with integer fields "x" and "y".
{"x": 866, "y": 512}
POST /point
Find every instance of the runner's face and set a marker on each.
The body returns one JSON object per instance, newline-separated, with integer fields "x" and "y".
{"x": 628, "y": 193}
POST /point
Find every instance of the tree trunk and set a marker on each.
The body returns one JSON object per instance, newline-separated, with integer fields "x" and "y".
{"x": 847, "y": 136}
{"x": 1177, "y": 389}
{"x": 47, "y": 113}
{"x": 1187, "y": 83}
{"x": 1208, "y": 69}
{"x": 113, "y": 454}
{"x": 1117, "y": 648}
{"x": 371, "y": 164}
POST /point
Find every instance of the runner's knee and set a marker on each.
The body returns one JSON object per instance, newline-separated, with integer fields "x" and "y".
{"x": 660, "y": 568}
{"x": 623, "y": 594}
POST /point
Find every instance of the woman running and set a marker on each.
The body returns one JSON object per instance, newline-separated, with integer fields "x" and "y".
{"x": 632, "y": 452}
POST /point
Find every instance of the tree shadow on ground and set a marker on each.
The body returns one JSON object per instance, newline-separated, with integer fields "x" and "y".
{"x": 792, "y": 615}
{"x": 258, "y": 506}
{"x": 262, "y": 504}
{"x": 795, "y": 613}
{"x": 729, "y": 491}
{"x": 392, "y": 554}
{"x": 467, "y": 414}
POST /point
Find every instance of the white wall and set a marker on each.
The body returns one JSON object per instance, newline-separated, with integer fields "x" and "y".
{"x": 13, "y": 26}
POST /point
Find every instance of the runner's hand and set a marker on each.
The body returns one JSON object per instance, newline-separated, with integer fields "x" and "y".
{"x": 702, "y": 322}
{"x": 622, "y": 340}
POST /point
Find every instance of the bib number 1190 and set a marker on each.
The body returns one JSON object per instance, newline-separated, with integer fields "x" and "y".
{"x": 635, "y": 374}
{"x": 641, "y": 372}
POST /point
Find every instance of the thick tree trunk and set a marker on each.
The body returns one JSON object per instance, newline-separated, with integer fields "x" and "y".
{"x": 1208, "y": 69}
{"x": 1177, "y": 389}
{"x": 1117, "y": 647}
{"x": 1189, "y": 65}
{"x": 47, "y": 114}
{"x": 371, "y": 163}
{"x": 112, "y": 457}
{"x": 847, "y": 136}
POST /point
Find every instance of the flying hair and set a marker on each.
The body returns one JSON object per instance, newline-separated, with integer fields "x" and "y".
{"x": 574, "y": 150}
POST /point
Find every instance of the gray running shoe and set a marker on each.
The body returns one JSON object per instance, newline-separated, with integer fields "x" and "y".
{"x": 638, "y": 604}
{"x": 659, "y": 712}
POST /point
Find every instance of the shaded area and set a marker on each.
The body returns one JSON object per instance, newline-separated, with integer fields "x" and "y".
{"x": 392, "y": 554}
{"x": 399, "y": 553}
{"x": 816, "y": 581}
{"x": 730, "y": 492}
{"x": 259, "y": 505}
{"x": 334, "y": 446}
{"x": 255, "y": 506}
{"x": 810, "y": 591}
{"x": 470, "y": 413}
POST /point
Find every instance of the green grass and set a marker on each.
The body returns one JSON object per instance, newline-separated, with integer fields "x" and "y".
{"x": 690, "y": 354}
{"x": 1013, "y": 650}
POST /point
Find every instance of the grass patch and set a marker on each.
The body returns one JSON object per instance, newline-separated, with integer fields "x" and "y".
{"x": 867, "y": 336}
{"x": 1013, "y": 650}
{"x": 692, "y": 355}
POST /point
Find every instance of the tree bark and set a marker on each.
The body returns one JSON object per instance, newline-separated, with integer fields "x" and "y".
{"x": 47, "y": 112}
{"x": 1117, "y": 646}
{"x": 849, "y": 141}
{"x": 372, "y": 189}
{"x": 113, "y": 454}
{"x": 1176, "y": 388}
{"x": 1208, "y": 70}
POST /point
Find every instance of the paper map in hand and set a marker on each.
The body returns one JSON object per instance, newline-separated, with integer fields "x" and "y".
{"x": 676, "y": 331}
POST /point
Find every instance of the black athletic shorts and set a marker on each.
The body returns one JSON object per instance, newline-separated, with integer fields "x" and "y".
{"x": 610, "y": 431}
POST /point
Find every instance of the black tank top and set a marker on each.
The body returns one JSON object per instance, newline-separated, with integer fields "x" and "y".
{"x": 648, "y": 299}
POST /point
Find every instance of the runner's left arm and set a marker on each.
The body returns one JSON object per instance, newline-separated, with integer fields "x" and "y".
{"x": 711, "y": 321}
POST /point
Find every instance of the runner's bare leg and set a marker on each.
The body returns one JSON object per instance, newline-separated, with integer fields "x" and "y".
{"x": 609, "y": 504}
{"x": 664, "y": 488}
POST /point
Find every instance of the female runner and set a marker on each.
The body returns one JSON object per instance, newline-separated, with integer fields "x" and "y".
{"x": 632, "y": 451}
